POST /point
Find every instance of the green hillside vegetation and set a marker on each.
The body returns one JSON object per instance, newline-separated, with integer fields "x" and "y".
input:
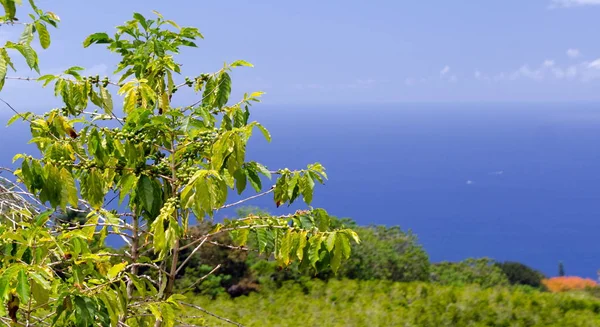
{"x": 389, "y": 281}
{"x": 385, "y": 303}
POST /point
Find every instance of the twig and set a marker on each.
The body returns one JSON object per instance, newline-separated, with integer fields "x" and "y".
{"x": 190, "y": 256}
{"x": 212, "y": 314}
{"x": 240, "y": 248}
{"x": 204, "y": 277}
{"x": 15, "y": 111}
{"x": 248, "y": 198}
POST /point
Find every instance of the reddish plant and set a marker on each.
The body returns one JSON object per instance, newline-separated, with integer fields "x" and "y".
{"x": 567, "y": 283}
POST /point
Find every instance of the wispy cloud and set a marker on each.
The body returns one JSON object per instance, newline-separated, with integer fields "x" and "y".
{"x": 548, "y": 70}
{"x": 445, "y": 70}
{"x": 572, "y": 3}
{"x": 445, "y": 75}
{"x": 573, "y": 53}
{"x": 594, "y": 64}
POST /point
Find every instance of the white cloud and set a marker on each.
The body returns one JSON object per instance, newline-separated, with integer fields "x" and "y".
{"x": 481, "y": 76}
{"x": 445, "y": 70}
{"x": 548, "y": 71}
{"x": 526, "y": 72}
{"x": 594, "y": 64}
{"x": 573, "y": 3}
{"x": 573, "y": 53}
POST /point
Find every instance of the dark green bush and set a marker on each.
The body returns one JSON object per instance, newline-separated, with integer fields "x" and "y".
{"x": 520, "y": 274}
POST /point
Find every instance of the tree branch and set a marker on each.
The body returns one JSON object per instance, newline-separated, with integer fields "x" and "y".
{"x": 248, "y": 198}
{"x": 212, "y": 314}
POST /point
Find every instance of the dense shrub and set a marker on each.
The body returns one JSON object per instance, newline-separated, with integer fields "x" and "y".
{"x": 387, "y": 253}
{"x": 520, "y": 274}
{"x": 482, "y": 271}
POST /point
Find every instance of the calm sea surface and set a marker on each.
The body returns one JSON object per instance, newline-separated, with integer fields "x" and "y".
{"x": 508, "y": 181}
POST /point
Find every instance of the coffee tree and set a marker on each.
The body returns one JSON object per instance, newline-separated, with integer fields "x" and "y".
{"x": 146, "y": 171}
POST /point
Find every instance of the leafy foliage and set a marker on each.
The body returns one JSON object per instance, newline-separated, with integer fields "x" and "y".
{"x": 481, "y": 271}
{"x": 387, "y": 253}
{"x": 169, "y": 167}
{"x": 37, "y": 26}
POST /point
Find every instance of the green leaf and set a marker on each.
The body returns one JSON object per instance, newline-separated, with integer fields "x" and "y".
{"x": 84, "y": 311}
{"x": 240, "y": 180}
{"x": 301, "y": 244}
{"x": 263, "y": 238}
{"x": 3, "y": 68}
{"x": 145, "y": 192}
{"x": 238, "y": 63}
{"x": 40, "y": 294}
{"x": 264, "y": 131}
{"x": 68, "y": 191}
{"x": 263, "y": 170}
{"x": 43, "y": 35}
{"x": 209, "y": 93}
{"x": 10, "y": 9}
{"x": 28, "y": 53}
{"x": 172, "y": 23}
{"x": 130, "y": 100}
{"x": 27, "y": 34}
{"x": 330, "y": 242}
{"x": 92, "y": 223}
{"x": 158, "y": 231}
{"x": 139, "y": 284}
{"x": 14, "y": 119}
{"x": 314, "y": 242}
{"x": 285, "y": 250}
{"x": 42, "y": 218}
{"x": 141, "y": 20}
{"x": 39, "y": 279}
{"x": 343, "y": 243}
{"x": 292, "y": 185}
{"x": 93, "y": 188}
{"x": 307, "y": 186}
{"x": 223, "y": 90}
{"x": 23, "y": 289}
{"x": 107, "y": 102}
{"x": 126, "y": 183}
{"x": 110, "y": 303}
{"x": 115, "y": 270}
{"x": 240, "y": 236}
{"x": 340, "y": 251}
{"x": 254, "y": 179}
{"x": 98, "y": 38}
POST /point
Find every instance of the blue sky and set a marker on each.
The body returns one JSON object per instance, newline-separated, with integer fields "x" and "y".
{"x": 347, "y": 52}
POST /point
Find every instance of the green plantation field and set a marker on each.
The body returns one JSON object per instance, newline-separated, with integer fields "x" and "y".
{"x": 382, "y": 303}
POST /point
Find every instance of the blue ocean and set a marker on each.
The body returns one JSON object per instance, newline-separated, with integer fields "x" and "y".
{"x": 509, "y": 181}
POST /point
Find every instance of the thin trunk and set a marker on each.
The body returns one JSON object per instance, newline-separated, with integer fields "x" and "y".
{"x": 134, "y": 257}
{"x": 134, "y": 253}
{"x": 175, "y": 259}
